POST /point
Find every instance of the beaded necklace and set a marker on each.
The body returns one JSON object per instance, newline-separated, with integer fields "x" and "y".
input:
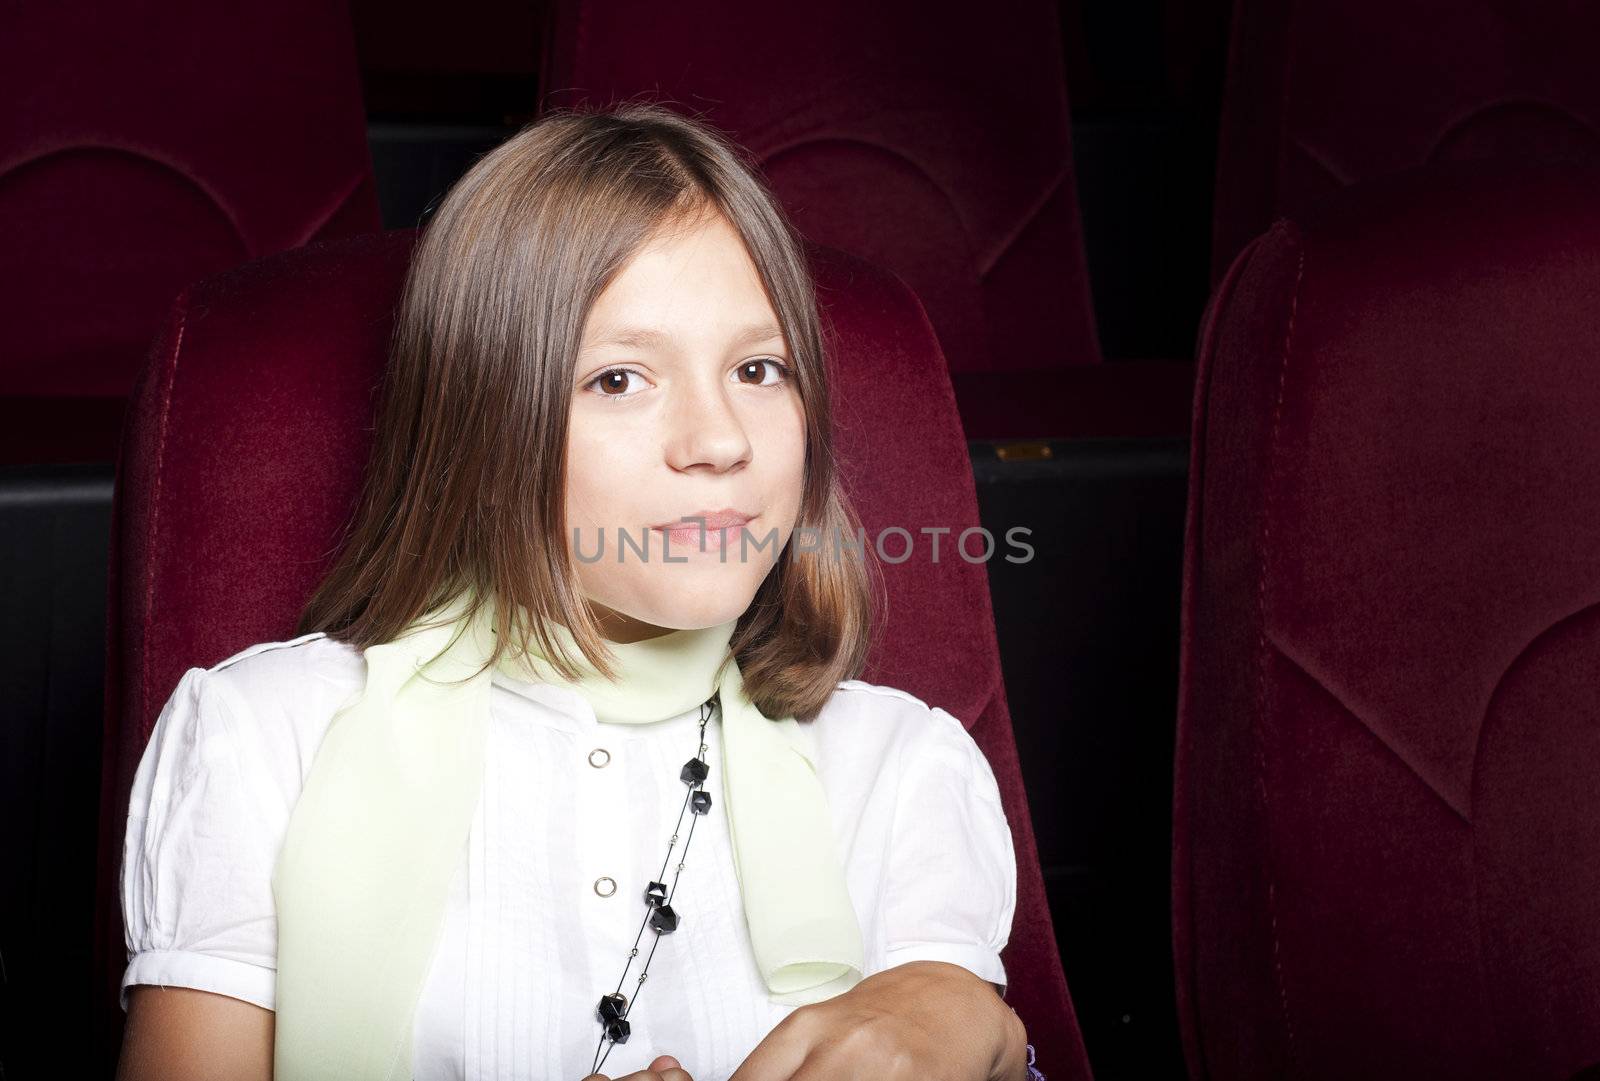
{"x": 659, "y": 916}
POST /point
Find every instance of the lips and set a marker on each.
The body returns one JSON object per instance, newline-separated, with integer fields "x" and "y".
{"x": 722, "y": 531}
{"x": 725, "y": 518}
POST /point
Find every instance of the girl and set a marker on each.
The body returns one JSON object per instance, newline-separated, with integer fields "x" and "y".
{"x": 600, "y": 573}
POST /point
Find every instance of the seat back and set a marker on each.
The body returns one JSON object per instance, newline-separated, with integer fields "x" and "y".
{"x": 1324, "y": 93}
{"x": 1387, "y": 826}
{"x": 146, "y": 147}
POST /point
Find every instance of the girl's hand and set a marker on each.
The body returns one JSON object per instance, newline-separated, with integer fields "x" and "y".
{"x": 662, "y": 1068}
{"x": 920, "y": 1021}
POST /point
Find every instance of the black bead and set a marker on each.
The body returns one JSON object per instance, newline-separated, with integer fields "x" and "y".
{"x": 656, "y": 893}
{"x": 617, "y": 1030}
{"x": 663, "y": 919}
{"x": 700, "y": 802}
{"x": 612, "y": 1006}
{"x": 693, "y": 772}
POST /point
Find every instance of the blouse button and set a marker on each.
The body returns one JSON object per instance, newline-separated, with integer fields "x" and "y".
{"x": 605, "y": 885}
{"x": 599, "y": 762}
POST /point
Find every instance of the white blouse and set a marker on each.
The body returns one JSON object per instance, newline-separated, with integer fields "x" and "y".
{"x": 535, "y": 931}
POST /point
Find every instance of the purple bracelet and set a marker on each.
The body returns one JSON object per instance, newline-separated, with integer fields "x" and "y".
{"x": 1033, "y": 1074}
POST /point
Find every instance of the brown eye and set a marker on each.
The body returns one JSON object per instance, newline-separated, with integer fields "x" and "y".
{"x": 612, "y": 382}
{"x": 756, "y": 368}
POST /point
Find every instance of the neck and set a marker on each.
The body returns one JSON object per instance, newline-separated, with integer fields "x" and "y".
{"x": 621, "y": 629}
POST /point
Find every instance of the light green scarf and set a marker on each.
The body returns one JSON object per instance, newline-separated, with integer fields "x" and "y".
{"x": 383, "y": 820}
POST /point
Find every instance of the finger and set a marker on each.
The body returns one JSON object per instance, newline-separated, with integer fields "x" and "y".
{"x": 666, "y": 1062}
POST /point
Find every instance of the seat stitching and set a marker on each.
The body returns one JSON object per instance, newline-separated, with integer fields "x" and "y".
{"x": 169, "y": 377}
{"x": 1261, "y": 652}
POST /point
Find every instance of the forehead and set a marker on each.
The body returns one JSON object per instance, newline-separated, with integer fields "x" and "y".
{"x": 686, "y": 283}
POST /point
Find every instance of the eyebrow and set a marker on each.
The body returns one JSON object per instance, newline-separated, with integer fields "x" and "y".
{"x": 650, "y": 338}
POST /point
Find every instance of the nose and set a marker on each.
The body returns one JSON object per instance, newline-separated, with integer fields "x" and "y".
{"x": 706, "y": 428}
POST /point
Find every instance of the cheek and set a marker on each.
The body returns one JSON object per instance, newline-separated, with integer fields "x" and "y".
{"x": 592, "y": 473}
{"x": 608, "y": 469}
{"x": 581, "y": 510}
{"x": 792, "y": 453}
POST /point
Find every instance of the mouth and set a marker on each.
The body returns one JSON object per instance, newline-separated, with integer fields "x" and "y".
{"x": 723, "y": 518}
{"x": 722, "y": 528}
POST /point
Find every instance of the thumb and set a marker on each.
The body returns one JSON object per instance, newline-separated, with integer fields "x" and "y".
{"x": 666, "y": 1062}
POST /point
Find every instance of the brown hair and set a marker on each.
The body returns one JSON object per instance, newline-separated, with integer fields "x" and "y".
{"x": 464, "y": 489}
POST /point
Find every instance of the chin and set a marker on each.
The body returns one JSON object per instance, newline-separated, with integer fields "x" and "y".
{"x": 696, "y": 608}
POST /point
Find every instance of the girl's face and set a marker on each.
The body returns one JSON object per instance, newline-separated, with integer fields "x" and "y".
{"x": 683, "y": 406}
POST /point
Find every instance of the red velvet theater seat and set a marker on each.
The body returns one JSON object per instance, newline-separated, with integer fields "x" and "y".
{"x": 1325, "y": 93}
{"x": 1387, "y": 831}
{"x": 143, "y": 147}
{"x": 933, "y": 140}
{"x": 247, "y": 438}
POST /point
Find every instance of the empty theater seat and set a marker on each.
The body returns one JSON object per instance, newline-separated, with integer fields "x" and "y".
{"x": 228, "y": 513}
{"x": 144, "y": 147}
{"x": 1387, "y": 850}
{"x": 1324, "y": 93}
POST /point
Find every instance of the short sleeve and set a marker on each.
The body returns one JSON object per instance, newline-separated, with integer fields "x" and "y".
{"x": 951, "y": 887}
{"x": 197, "y": 857}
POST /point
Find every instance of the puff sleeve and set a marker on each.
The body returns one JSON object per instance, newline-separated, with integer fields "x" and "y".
{"x": 951, "y": 887}
{"x": 197, "y": 858}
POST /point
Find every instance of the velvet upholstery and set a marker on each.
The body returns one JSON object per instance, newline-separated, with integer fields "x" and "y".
{"x": 1387, "y": 827}
{"x": 144, "y": 147}
{"x": 248, "y": 434}
{"x": 1324, "y": 93}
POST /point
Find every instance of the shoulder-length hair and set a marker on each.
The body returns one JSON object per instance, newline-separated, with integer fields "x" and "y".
{"x": 464, "y": 489}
